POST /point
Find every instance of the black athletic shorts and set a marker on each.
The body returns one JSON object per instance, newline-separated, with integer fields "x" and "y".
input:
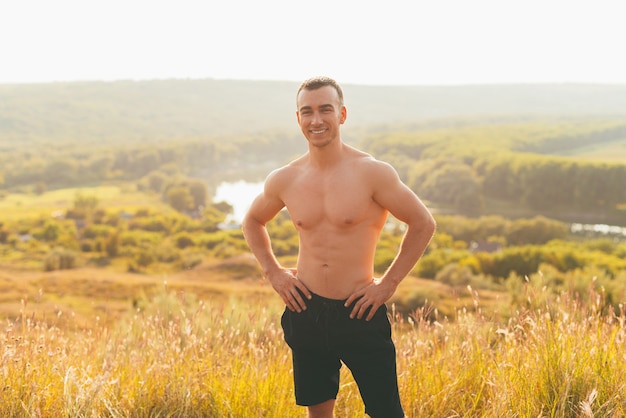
{"x": 323, "y": 336}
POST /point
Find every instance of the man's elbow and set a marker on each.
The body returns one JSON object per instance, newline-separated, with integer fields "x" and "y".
{"x": 425, "y": 224}
{"x": 431, "y": 225}
{"x": 250, "y": 223}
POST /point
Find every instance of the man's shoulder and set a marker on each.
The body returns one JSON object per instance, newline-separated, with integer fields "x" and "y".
{"x": 367, "y": 162}
{"x": 285, "y": 173}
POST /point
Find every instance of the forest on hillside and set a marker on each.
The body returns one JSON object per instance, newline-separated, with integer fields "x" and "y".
{"x": 511, "y": 181}
{"x": 512, "y": 150}
{"x": 473, "y": 169}
{"x": 470, "y": 168}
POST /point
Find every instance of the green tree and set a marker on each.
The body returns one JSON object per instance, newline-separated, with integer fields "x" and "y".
{"x": 49, "y": 231}
{"x": 498, "y": 177}
{"x": 60, "y": 259}
{"x": 156, "y": 181}
{"x": 5, "y": 233}
{"x": 213, "y": 215}
{"x": 61, "y": 172}
{"x": 180, "y": 198}
{"x": 184, "y": 240}
{"x": 538, "y": 230}
{"x": 199, "y": 193}
{"x": 112, "y": 244}
{"x": 455, "y": 185}
{"x": 547, "y": 183}
{"x": 86, "y": 203}
{"x": 146, "y": 161}
{"x": 100, "y": 166}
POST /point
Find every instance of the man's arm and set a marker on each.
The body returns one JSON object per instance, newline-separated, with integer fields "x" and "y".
{"x": 284, "y": 281}
{"x": 403, "y": 204}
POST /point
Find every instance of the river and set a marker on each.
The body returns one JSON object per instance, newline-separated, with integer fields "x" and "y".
{"x": 239, "y": 195}
{"x": 598, "y": 230}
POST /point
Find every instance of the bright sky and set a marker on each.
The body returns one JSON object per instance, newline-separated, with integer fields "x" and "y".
{"x": 354, "y": 41}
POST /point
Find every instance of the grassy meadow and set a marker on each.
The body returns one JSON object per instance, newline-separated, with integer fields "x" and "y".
{"x": 105, "y": 342}
{"x": 612, "y": 152}
{"x": 112, "y": 337}
{"x": 174, "y": 354}
{"x": 18, "y": 205}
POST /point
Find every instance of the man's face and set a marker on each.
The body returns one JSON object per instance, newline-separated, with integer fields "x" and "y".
{"x": 320, "y": 115}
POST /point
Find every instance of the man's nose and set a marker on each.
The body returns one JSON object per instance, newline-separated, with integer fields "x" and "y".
{"x": 317, "y": 118}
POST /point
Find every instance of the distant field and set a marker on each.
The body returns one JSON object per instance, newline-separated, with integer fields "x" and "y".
{"x": 83, "y": 293}
{"x": 611, "y": 152}
{"x": 16, "y": 205}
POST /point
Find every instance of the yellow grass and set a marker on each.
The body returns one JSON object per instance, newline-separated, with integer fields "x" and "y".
{"x": 177, "y": 355}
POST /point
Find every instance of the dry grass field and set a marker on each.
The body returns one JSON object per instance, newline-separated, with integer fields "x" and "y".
{"x": 207, "y": 342}
{"x": 92, "y": 343}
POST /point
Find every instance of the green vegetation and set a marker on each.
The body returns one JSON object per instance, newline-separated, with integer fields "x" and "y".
{"x": 614, "y": 152}
{"x": 471, "y": 169}
{"x": 168, "y": 241}
{"x": 472, "y": 166}
{"x": 165, "y": 132}
{"x": 124, "y": 293}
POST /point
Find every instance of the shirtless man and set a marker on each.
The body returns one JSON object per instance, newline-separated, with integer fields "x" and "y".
{"x": 338, "y": 198}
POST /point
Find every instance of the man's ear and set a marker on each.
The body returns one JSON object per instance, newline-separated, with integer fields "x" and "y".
{"x": 344, "y": 115}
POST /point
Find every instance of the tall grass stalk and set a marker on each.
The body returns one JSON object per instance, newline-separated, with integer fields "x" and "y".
{"x": 562, "y": 358}
{"x": 179, "y": 357}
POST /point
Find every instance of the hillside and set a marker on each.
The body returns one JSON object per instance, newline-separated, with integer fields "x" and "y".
{"x": 164, "y": 109}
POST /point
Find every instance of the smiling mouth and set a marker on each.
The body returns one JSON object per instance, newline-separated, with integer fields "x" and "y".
{"x": 318, "y": 132}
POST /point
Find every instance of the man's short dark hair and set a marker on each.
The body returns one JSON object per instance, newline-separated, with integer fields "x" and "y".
{"x": 315, "y": 83}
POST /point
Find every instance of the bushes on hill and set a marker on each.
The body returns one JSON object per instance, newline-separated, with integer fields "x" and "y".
{"x": 60, "y": 259}
{"x": 151, "y": 241}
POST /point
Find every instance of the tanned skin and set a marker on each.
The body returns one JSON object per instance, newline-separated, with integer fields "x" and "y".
{"x": 339, "y": 199}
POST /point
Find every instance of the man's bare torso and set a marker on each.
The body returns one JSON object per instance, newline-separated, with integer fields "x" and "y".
{"x": 338, "y": 221}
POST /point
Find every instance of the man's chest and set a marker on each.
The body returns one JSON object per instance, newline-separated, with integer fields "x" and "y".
{"x": 339, "y": 201}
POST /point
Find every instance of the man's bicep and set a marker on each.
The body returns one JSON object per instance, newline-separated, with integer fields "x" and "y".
{"x": 396, "y": 197}
{"x": 264, "y": 208}
{"x": 405, "y": 205}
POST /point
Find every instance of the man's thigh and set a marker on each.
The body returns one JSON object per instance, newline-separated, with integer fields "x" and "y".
{"x": 315, "y": 366}
{"x": 370, "y": 354}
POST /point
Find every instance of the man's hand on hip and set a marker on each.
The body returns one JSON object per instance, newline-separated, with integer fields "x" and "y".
{"x": 371, "y": 296}
{"x": 290, "y": 289}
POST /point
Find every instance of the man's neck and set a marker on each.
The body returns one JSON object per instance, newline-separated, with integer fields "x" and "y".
{"x": 327, "y": 156}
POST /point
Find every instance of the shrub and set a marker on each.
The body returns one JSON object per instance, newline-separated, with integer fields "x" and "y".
{"x": 151, "y": 224}
{"x": 4, "y": 235}
{"x": 60, "y": 259}
{"x": 191, "y": 259}
{"x": 167, "y": 253}
{"x": 144, "y": 258}
{"x": 433, "y": 262}
{"x": 95, "y": 231}
{"x": 112, "y": 244}
{"x": 184, "y": 240}
{"x": 454, "y": 275}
